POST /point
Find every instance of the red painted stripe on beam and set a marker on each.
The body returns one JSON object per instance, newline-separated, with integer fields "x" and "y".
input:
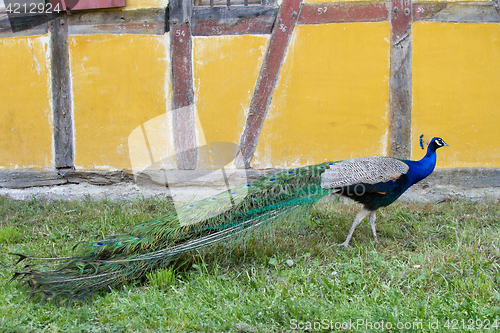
{"x": 183, "y": 117}
{"x": 343, "y": 12}
{"x": 262, "y": 95}
{"x": 249, "y": 25}
{"x": 401, "y": 19}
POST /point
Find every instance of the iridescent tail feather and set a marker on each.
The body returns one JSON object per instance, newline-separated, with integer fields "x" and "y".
{"x": 158, "y": 243}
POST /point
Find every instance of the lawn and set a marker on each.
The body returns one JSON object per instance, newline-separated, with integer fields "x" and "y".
{"x": 437, "y": 267}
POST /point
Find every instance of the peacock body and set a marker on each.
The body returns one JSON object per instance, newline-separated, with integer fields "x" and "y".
{"x": 373, "y": 181}
{"x": 378, "y": 181}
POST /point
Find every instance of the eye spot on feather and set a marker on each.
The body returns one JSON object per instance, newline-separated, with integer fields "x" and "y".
{"x": 247, "y": 185}
{"x": 233, "y": 192}
{"x": 120, "y": 243}
{"x": 272, "y": 179}
{"x": 138, "y": 237}
{"x": 98, "y": 244}
{"x": 212, "y": 199}
{"x": 290, "y": 172}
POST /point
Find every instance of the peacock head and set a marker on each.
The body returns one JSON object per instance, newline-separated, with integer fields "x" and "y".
{"x": 436, "y": 143}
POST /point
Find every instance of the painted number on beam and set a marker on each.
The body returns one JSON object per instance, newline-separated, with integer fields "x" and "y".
{"x": 282, "y": 27}
{"x": 322, "y": 10}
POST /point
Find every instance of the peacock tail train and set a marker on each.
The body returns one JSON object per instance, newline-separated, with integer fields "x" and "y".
{"x": 157, "y": 243}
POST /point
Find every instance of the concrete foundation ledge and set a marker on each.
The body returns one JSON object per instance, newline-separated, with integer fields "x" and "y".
{"x": 191, "y": 185}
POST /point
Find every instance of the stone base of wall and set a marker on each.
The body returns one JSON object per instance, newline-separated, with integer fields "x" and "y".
{"x": 183, "y": 186}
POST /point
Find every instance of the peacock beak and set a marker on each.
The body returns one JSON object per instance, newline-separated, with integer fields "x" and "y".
{"x": 445, "y": 144}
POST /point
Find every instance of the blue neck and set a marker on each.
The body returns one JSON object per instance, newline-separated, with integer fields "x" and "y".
{"x": 423, "y": 168}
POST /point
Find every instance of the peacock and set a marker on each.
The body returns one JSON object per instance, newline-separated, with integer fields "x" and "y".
{"x": 373, "y": 181}
{"x": 378, "y": 181}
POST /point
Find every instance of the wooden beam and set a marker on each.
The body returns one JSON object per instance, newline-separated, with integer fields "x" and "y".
{"x": 459, "y": 12}
{"x": 321, "y": 13}
{"x": 61, "y": 92}
{"x": 141, "y": 21}
{"x": 234, "y": 20}
{"x": 255, "y": 19}
{"x": 183, "y": 111}
{"x": 496, "y": 5}
{"x": 233, "y": 12}
{"x": 262, "y": 95}
{"x": 180, "y": 11}
{"x": 400, "y": 81}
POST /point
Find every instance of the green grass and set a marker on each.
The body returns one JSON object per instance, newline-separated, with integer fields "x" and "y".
{"x": 434, "y": 262}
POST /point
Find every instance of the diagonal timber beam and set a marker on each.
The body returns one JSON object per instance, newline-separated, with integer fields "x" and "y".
{"x": 262, "y": 95}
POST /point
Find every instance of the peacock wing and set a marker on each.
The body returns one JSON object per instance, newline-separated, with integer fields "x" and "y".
{"x": 363, "y": 170}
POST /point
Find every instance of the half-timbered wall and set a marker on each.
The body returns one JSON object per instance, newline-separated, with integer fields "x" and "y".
{"x": 284, "y": 84}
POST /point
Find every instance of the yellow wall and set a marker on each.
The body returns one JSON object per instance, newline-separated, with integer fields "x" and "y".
{"x": 119, "y": 83}
{"x": 138, "y": 4}
{"x": 225, "y": 70}
{"x": 331, "y": 100}
{"x": 26, "y": 133}
{"x": 456, "y": 76}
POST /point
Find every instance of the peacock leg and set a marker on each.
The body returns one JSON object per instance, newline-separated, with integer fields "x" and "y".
{"x": 373, "y": 217}
{"x": 357, "y": 220}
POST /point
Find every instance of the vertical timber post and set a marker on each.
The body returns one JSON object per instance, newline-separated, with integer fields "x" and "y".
{"x": 400, "y": 81}
{"x": 183, "y": 110}
{"x": 61, "y": 92}
{"x": 263, "y": 92}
